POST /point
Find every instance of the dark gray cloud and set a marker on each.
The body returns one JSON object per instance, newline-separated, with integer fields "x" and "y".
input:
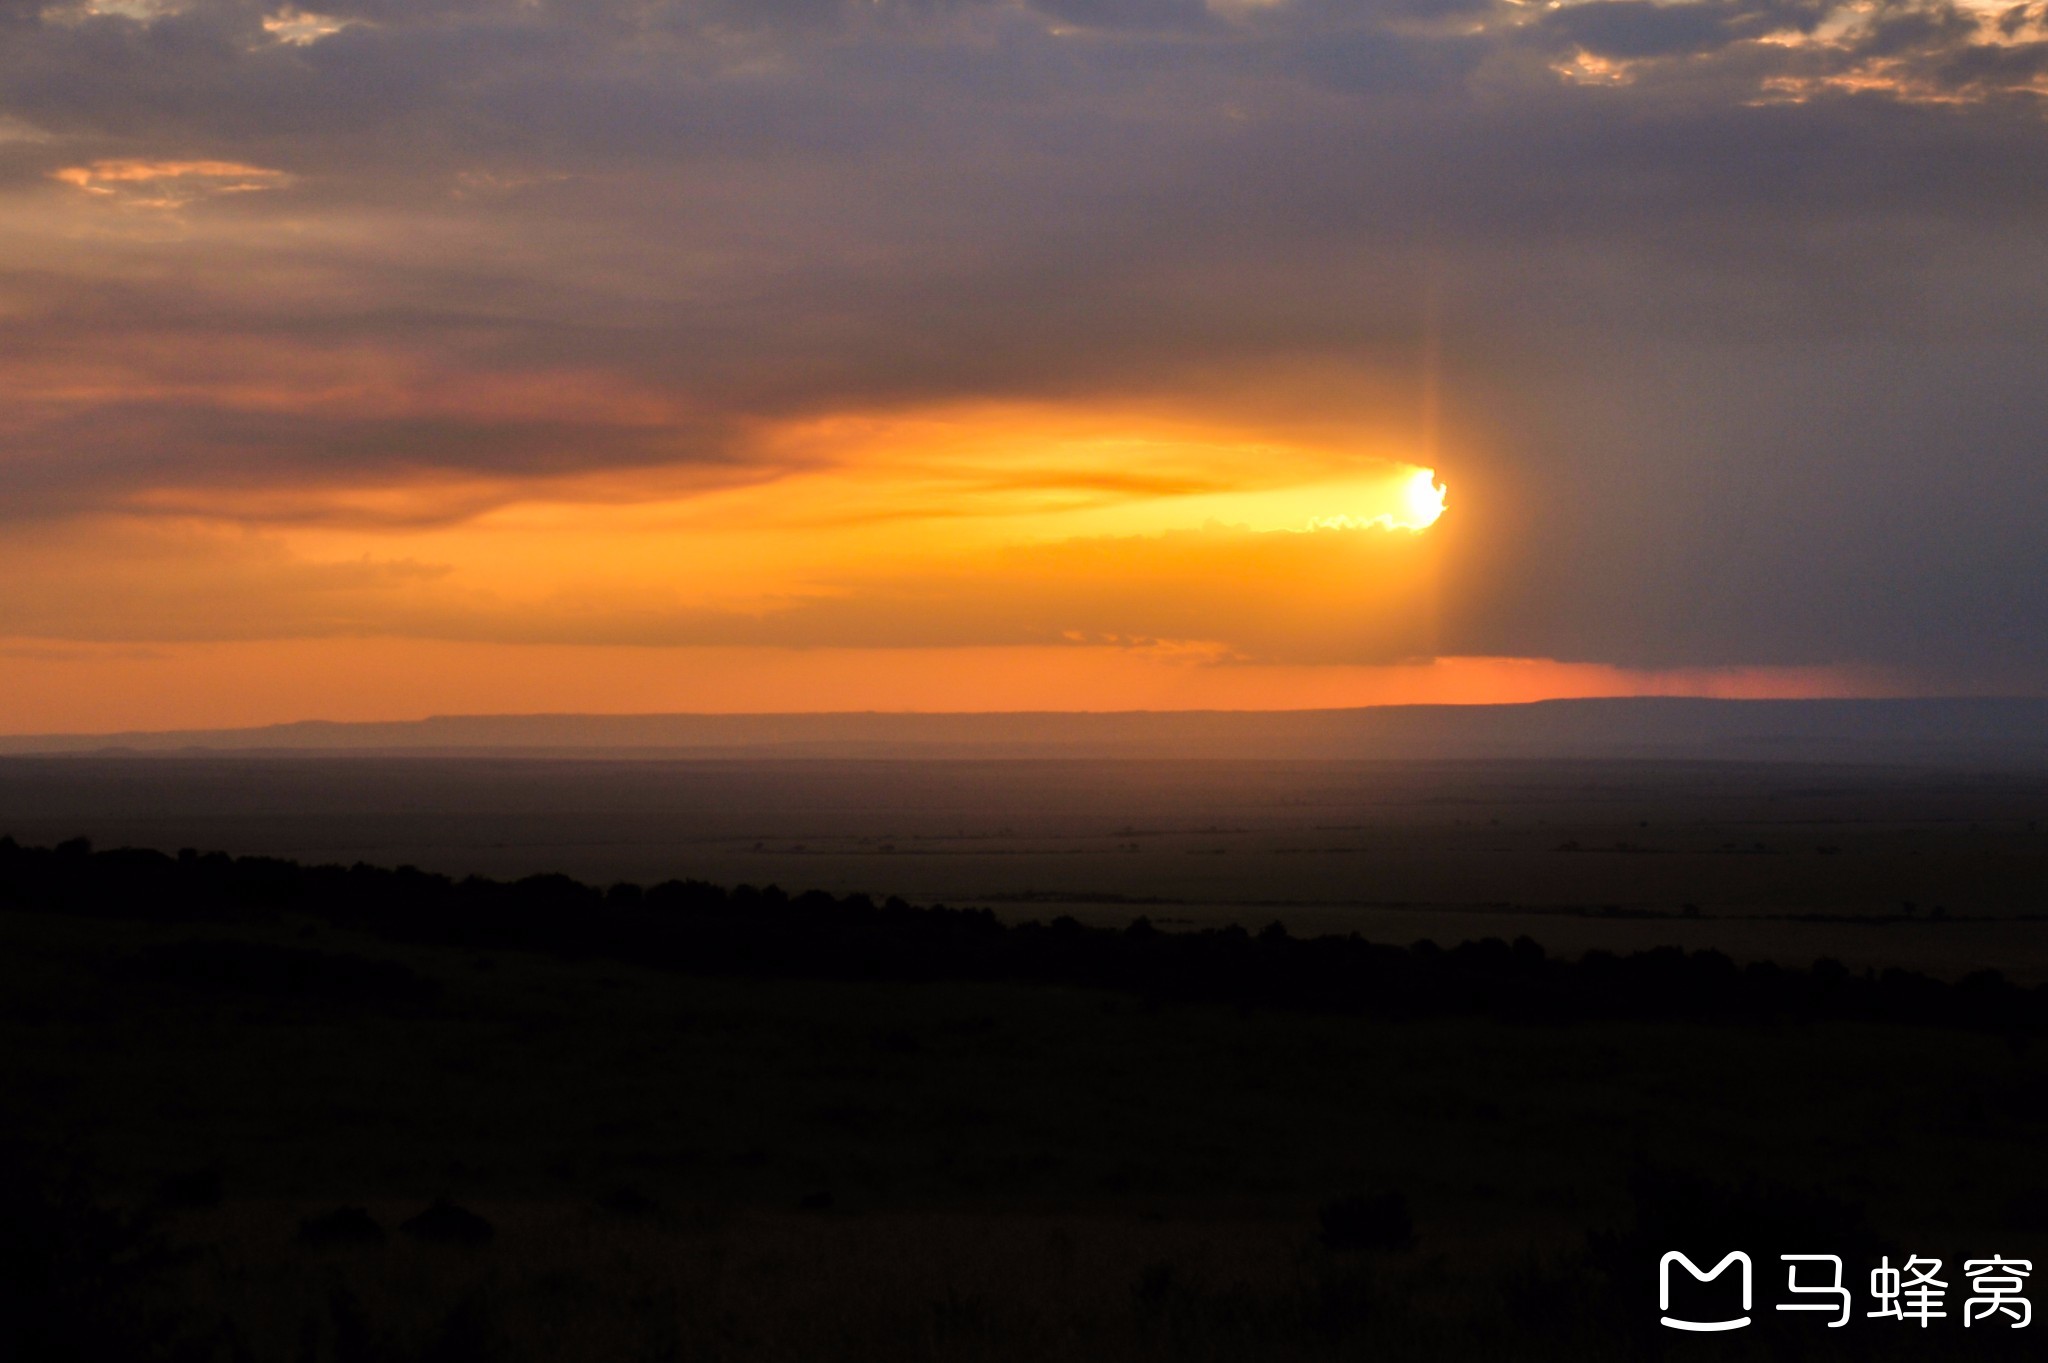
{"x": 1139, "y": 15}
{"x": 1640, "y": 28}
{"x": 1725, "y": 318}
{"x": 79, "y": 460}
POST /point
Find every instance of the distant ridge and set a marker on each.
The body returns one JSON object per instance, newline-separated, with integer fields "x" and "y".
{"x": 1993, "y": 733}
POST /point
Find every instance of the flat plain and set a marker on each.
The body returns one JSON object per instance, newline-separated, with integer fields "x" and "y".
{"x": 1938, "y": 870}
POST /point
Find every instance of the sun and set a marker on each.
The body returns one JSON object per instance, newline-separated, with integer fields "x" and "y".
{"x": 1418, "y": 503}
{"x": 1422, "y": 500}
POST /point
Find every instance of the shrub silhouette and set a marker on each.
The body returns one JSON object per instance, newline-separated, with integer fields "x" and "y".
{"x": 195, "y": 1188}
{"x": 444, "y": 1223}
{"x": 1367, "y": 1221}
{"x": 72, "y": 1274}
{"x": 341, "y": 1227}
{"x": 763, "y": 931}
{"x": 262, "y": 970}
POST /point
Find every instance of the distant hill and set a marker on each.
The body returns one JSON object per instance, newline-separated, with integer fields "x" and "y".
{"x": 2002, "y": 733}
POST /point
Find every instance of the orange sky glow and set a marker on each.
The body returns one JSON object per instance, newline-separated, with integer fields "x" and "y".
{"x": 978, "y": 558}
{"x": 112, "y": 688}
{"x": 489, "y": 357}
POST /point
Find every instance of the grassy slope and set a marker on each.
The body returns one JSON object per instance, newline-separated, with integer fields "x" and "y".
{"x": 777, "y": 1169}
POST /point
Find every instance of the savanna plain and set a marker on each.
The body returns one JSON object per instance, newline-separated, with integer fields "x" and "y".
{"x": 274, "y": 1128}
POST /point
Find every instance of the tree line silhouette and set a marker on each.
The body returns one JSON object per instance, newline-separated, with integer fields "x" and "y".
{"x": 700, "y": 928}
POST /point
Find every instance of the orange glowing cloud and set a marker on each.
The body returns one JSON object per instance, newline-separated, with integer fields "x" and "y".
{"x": 168, "y": 184}
{"x": 983, "y": 527}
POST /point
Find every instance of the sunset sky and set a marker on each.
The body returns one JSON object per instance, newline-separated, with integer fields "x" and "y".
{"x": 428, "y": 356}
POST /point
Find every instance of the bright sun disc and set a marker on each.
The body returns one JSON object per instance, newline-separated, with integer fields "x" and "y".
{"x": 1420, "y": 501}
{"x": 1423, "y": 500}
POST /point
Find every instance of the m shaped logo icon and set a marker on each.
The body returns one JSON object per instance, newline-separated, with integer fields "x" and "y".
{"x": 1664, "y": 1290}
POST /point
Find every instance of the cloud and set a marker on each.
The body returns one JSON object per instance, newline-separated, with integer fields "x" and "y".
{"x": 161, "y": 583}
{"x": 1728, "y": 292}
{"x": 222, "y": 175}
{"x": 1154, "y": 16}
{"x": 166, "y": 186}
{"x": 1328, "y": 596}
{"x": 1640, "y": 28}
{"x": 301, "y": 28}
{"x": 1224, "y": 593}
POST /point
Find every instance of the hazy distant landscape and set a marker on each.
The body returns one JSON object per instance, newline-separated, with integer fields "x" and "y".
{"x": 1939, "y": 866}
{"x": 1988, "y": 733}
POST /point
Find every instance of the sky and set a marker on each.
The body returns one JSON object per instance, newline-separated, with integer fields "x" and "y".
{"x": 386, "y": 359}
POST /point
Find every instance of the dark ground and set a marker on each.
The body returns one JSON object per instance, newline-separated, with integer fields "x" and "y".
{"x": 1876, "y": 866}
{"x": 733, "y": 1163}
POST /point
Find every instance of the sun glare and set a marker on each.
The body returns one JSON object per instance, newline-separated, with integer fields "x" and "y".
{"x": 1421, "y": 500}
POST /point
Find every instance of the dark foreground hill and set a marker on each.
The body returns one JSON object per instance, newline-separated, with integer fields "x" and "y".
{"x": 706, "y": 929}
{"x": 266, "y": 1111}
